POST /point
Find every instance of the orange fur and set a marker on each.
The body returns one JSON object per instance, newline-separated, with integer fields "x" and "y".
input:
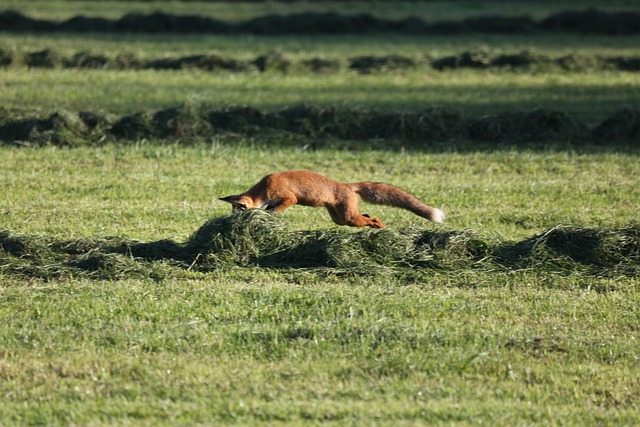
{"x": 278, "y": 191}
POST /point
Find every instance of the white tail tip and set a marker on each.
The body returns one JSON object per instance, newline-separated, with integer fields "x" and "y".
{"x": 438, "y": 215}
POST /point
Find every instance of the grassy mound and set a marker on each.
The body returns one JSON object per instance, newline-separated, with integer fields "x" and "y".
{"x": 39, "y": 257}
{"x": 318, "y": 125}
{"x": 61, "y": 128}
{"x": 280, "y": 62}
{"x": 259, "y": 239}
{"x": 596, "y": 251}
{"x": 532, "y": 61}
{"x": 581, "y": 22}
{"x": 624, "y": 125}
{"x": 370, "y": 64}
{"x": 537, "y": 125}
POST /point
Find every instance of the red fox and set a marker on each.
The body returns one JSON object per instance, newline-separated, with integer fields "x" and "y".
{"x": 280, "y": 190}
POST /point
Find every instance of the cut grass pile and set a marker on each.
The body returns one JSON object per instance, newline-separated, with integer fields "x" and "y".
{"x": 193, "y": 121}
{"x": 276, "y": 61}
{"x": 236, "y": 11}
{"x": 259, "y": 239}
{"x": 592, "y": 21}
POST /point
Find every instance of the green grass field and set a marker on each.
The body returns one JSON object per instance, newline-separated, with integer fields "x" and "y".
{"x": 131, "y": 297}
{"x": 590, "y": 97}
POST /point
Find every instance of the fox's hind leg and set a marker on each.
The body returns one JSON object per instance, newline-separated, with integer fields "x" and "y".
{"x": 363, "y": 221}
{"x": 352, "y": 216}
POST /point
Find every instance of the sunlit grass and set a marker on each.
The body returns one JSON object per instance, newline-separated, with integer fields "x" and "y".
{"x": 252, "y": 347}
{"x": 154, "y": 192}
{"x": 587, "y": 96}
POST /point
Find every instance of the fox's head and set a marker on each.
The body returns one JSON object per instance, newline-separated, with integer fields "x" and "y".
{"x": 239, "y": 202}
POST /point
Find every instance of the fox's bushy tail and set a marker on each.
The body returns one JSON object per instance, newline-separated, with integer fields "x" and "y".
{"x": 380, "y": 193}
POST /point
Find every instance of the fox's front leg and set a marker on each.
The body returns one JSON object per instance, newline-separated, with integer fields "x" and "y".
{"x": 276, "y": 206}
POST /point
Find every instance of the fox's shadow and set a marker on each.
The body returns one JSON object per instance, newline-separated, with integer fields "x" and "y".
{"x": 165, "y": 249}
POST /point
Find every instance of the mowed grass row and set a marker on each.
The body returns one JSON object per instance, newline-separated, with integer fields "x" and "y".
{"x": 242, "y": 10}
{"x": 591, "y": 96}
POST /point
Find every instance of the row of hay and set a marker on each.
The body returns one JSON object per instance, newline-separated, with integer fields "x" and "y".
{"x": 259, "y": 239}
{"x": 49, "y": 58}
{"x": 280, "y": 62}
{"x": 531, "y": 60}
{"x": 590, "y": 21}
{"x": 318, "y": 126}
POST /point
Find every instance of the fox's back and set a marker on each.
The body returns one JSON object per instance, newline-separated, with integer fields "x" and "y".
{"x": 309, "y": 188}
{"x": 280, "y": 190}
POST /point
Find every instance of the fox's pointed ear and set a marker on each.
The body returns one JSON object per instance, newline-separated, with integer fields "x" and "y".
{"x": 235, "y": 201}
{"x": 229, "y": 199}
